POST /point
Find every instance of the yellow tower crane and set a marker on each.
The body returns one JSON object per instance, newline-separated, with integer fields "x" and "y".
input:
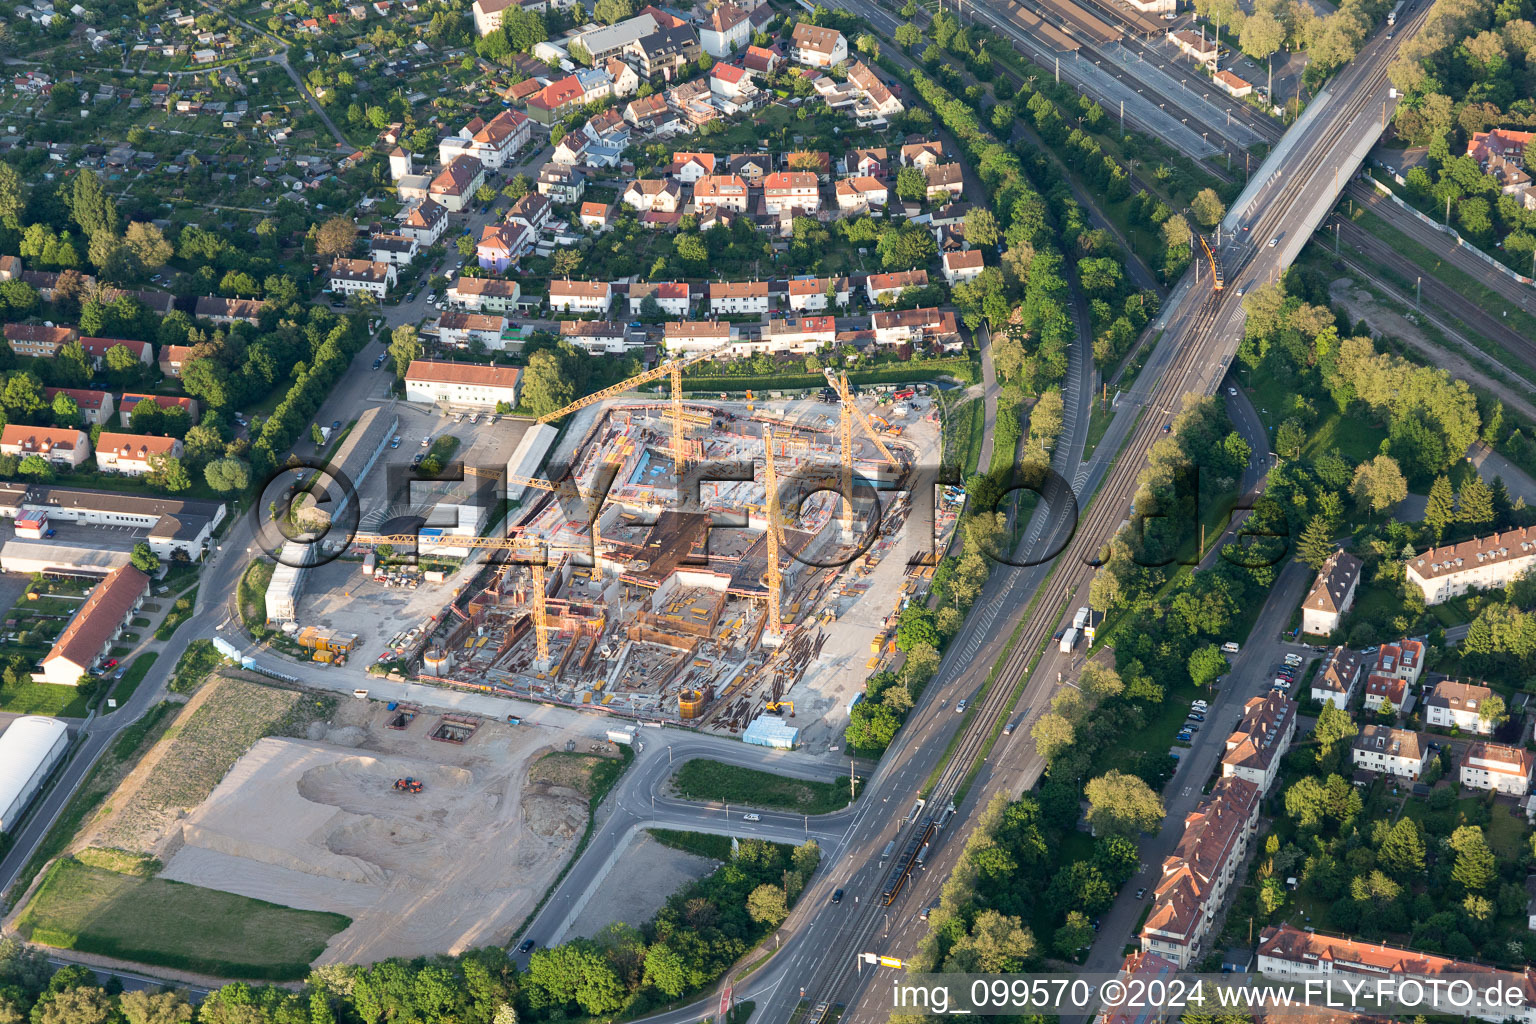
{"x": 775, "y": 581}
{"x": 839, "y": 383}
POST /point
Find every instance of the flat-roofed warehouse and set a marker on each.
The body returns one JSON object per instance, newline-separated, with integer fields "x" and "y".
{"x": 29, "y": 750}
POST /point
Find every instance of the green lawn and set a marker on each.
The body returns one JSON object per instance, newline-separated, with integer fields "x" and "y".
{"x": 44, "y": 699}
{"x": 170, "y": 924}
{"x": 180, "y": 612}
{"x": 703, "y": 779}
{"x": 131, "y": 679}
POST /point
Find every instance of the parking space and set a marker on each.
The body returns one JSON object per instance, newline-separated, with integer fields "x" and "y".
{"x": 482, "y": 443}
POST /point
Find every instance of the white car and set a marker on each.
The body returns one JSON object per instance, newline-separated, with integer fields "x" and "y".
{"x": 959, "y": 707}
{"x": 751, "y": 817}
{"x": 1274, "y": 242}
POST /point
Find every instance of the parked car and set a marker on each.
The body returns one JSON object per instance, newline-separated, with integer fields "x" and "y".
{"x": 394, "y": 442}
{"x": 379, "y": 362}
{"x": 1141, "y": 893}
{"x": 1194, "y": 716}
{"x": 1184, "y": 737}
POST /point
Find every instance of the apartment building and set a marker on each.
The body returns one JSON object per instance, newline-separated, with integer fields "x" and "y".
{"x": 133, "y": 454}
{"x": 492, "y": 142}
{"x": 485, "y": 294}
{"x": 60, "y": 446}
{"x": 96, "y": 407}
{"x": 1336, "y": 682}
{"x": 393, "y": 248}
{"x": 879, "y": 286}
{"x": 569, "y": 296}
{"x": 672, "y": 297}
{"x": 1480, "y": 563}
{"x": 1388, "y": 751}
{"x": 1287, "y": 953}
{"x": 945, "y": 182}
{"x": 809, "y": 294}
{"x": 907, "y": 326}
{"x": 1453, "y": 705}
{"x": 458, "y": 329}
{"x": 801, "y": 335}
{"x": 790, "y": 192}
{"x": 690, "y": 167}
{"x": 960, "y": 267}
{"x": 501, "y": 245}
{"x": 104, "y": 614}
{"x": 682, "y": 337}
{"x": 1262, "y": 736}
{"x": 726, "y": 28}
{"x": 600, "y": 337}
{"x": 368, "y": 277}
{"x": 1494, "y": 766}
{"x": 1397, "y": 669}
{"x": 424, "y": 221}
{"x": 817, "y": 47}
{"x": 38, "y": 341}
{"x": 226, "y": 311}
{"x": 1200, "y": 872}
{"x": 466, "y": 385}
{"x": 97, "y": 349}
{"x": 647, "y": 194}
{"x": 1331, "y": 595}
{"x": 455, "y": 185}
{"x": 727, "y": 298}
{"x": 860, "y": 193}
{"x": 715, "y": 192}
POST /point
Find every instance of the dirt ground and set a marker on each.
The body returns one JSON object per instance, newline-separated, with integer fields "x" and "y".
{"x": 317, "y": 824}
{"x": 638, "y": 886}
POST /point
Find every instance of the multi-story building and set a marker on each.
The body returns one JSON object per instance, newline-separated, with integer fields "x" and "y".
{"x": 392, "y": 248}
{"x": 647, "y": 194}
{"x": 738, "y": 297}
{"x": 909, "y": 326}
{"x": 368, "y": 277}
{"x": 1397, "y": 669}
{"x": 1262, "y": 737}
{"x": 922, "y": 155}
{"x": 1380, "y": 748}
{"x": 104, "y": 614}
{"x": 485, "y": 294}
{"x": 1149, "y": 969}
{"x": 533, "y": 212}
{"x": 60, "y": 446}
{"x": 860, "y": 193}
{"x": 1336, "y": 682}
{"x": 467, "y": 385}
{"x": 595, "y": 216}
{"x": 1196, "y": 46}
{"x": 945, "y": 182}
{"x": 96, "y": 407}
{"x": 690, "y": 167}
{"x": 801, "y": 335}
{"x": 1331, "y": 595}
{"x": 488, "y": 14}
{"x": 227, "y": 311}
{"x": 130, "y": 401}
{"x": 455, "y": 185}
{"x": 663, "y": 52}
{"x": 501, "y": 245}
{"x": 611, "y": 40}
{"x": 714, "y": 192}
{"x": 880, "y": 286}
{"x": 1453, "y": 705}
{"x": 1197, "y": 876}
{"x": 963, "y": 266}
{"x": 564, "y": 185}
{"x": 877, "y": 94}
{"x": 626, "y": 81}
{"x": 1480, "y": 563}
{"x": 672, "y": 297}
{"x": 600, "y": 337}
{"x": 732, "y": 87}
{"x": 97, "y": 349}
{"x": 786, "y": 192}
{"x": 726, "y": 28}
{"x": 459, "y": 330}
{"x": 751, "y": 167}
{"x": 424, "y": 221}
{"x": 174, "y": 358}
{"x": 809, "y": 294}
{"x": 133, "y": 454}
{"x": 816, "y": 46}
{"x": 1288, "y": 953}
{"x": 38, "y": 341}
{"x": 556, "y": 99}
{"x": 569, "y": 296}
{"x": 492, "y": 142}
{"x": 1497, "y": 767}
{"x": 682, "y": 337}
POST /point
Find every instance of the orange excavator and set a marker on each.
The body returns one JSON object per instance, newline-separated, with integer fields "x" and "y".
{"x": 408, "y": 785}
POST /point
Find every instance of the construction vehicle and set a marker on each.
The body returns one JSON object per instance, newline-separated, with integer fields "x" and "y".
{"x": 408, "y": 785}
{"x": 775, "y": 705}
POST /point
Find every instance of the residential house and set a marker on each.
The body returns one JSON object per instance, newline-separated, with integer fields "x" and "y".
{"x": 596, "y": 86}
{"x": 960, "y": 267}
{"x": 866, "y": 163}
{"x": 751, "y": 167}
{"x": 910, "y": 326}
{"x": 1332, "y": 594}
{"x": 1336, "y": 682}
{"x": 467, "y": 385}
{"x": 571, "y": 151}
{"x": 1195, "y": 46}
{"x": 1483, "y": 563}
{"x": 696, "y": 336}
{"x": 1388, "y": 751}
{"x": 1453, "y": 705}
{"x": 816, "y": 46}
{"x": 533, "y": 212}
{"x": 563, "y": 185}
{"x": 732, "y": 85}
{"x": 760, "y": 60}
{"x": 555, "y": 100}
{"x": 664, "y": 51}
{"x": 672, "y": 297}
{"x": 501, "y": 245}
{"x": 133, "y": 454}
{"x": 600, "y": 337}
{"x": 97, "y": 349}
{"x": 38, "y": 341}
{"x": 368, "y": 277}
{"x": 392, "y": 248}
{"x": 130, "y": 401}
{"x": 649, "y": 112}
{"x": 569, "y": 296}
{"x": 879, "y": 286}
{"x": 459, "y": 330}
{"x": 728, "y": 298}
{"x": 791, "y": 192}
{"x": 485, "y": 294}
{"x": 454, "y": 186}
{"x": 424, "y": 221}
{"x": 878, "y": 96}
{"x": 227, "y": 311}
{"x": 646, "y": 194}
{"x": 95, "y": 627}
{"x": 945, "y": 181}
{"x": 596, "y": 216}
{"x": 922, "y": 155}
{"x": 1202, "y": 869}
{"x": 493, "y": 143}
{"x": 726, "y": 28}
{"x": 719, "y": 192}
{"x": 626, "y": 81}
{"x": 97, "y": 407}
{"x": 1232, "y": 85}
{"x": 809, "y": 294}
{"x": 1398, "y": 666}
{"x": 800, "y": 335}
{"x": 1287, "y": 953}
{"x": 858, "y": 194}
{"x": 1262, "y": 736}
{"x": 59, "y": 446}
{"x": 1494, "y": 766}
{"x": 609, "y": 41}
{"x": 688, "y": 168}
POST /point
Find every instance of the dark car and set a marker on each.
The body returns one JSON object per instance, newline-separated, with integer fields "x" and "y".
{"x": 335, "y": 424}
{"x": 417, "y": 460}
{"x": 837, "y": 895}
{"x": 379, "y": 362}
{"x": 1167, "y": 428}
{"x": 526, "y": 947}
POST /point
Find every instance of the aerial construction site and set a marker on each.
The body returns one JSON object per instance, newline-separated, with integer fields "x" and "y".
{"x": 699, "y": 563}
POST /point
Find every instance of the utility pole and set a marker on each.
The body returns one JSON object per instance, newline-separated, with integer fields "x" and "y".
{"x": 1418, "y": 290}
{"x": 851, "y": 793}
{"x": 1335, "y": 238}
{"x": 1058, "y": 70}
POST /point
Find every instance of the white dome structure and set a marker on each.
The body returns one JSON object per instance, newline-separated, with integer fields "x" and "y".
{"x": 29, "y": 750}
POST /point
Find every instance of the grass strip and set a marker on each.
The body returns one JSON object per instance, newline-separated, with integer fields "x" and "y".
{"x": 703, "y": 779}
{"x": 131, "y": 679}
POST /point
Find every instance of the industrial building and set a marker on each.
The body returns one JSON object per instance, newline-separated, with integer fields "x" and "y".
{"x": 30, "y": 748}
{"x": 183, "y": 525}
